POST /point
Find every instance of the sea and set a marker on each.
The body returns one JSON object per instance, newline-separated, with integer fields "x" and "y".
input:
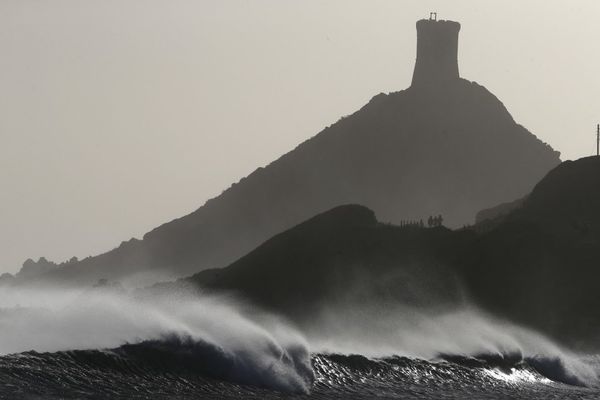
{"x": 136, "y": 373}
{"x": 56, "y": 344}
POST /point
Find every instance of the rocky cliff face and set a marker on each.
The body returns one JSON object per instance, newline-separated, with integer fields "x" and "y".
{"x": 443, "y": 146}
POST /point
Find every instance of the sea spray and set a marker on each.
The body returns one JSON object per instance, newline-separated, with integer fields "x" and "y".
{"x": 220, "y": 338}
{"x": 208, "y": 331}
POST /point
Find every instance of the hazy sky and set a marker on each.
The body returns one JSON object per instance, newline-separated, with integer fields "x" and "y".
{"x": 116, "y": 116}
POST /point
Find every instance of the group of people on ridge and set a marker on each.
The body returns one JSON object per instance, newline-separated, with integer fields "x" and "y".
{"x": 432, "y": 221}
{"x": 435, "y": 221}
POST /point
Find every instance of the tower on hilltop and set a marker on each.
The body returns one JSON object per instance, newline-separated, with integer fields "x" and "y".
{"x": 437, "y": 52}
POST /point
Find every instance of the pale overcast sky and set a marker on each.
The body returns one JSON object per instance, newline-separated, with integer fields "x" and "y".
{"x": 118, "y": 115}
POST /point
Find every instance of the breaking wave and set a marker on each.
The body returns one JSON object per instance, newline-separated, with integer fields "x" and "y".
{"x": 103, "y": 344}
{"x": 201, "y": 336}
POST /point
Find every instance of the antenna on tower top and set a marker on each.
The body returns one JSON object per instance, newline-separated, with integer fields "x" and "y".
{"x": 433, "y": 16}
{"x": 598, "y": 140}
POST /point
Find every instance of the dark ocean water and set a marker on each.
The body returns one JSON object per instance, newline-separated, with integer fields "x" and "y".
{"x": 183, "y": 370}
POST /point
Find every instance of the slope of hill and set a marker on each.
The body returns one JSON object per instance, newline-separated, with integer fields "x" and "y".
{"x": 541, "y": 265}
{"x": 443, "y": 146}
{"x": 567, "y": 200}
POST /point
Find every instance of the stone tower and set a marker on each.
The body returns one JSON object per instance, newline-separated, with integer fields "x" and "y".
{"x": 437, "y": 53}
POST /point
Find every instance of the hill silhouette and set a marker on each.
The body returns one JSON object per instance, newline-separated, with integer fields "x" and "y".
{"x": 443, "y": 146}
{"x": 339, "y": 255}
{"x": 538, "y": 266}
